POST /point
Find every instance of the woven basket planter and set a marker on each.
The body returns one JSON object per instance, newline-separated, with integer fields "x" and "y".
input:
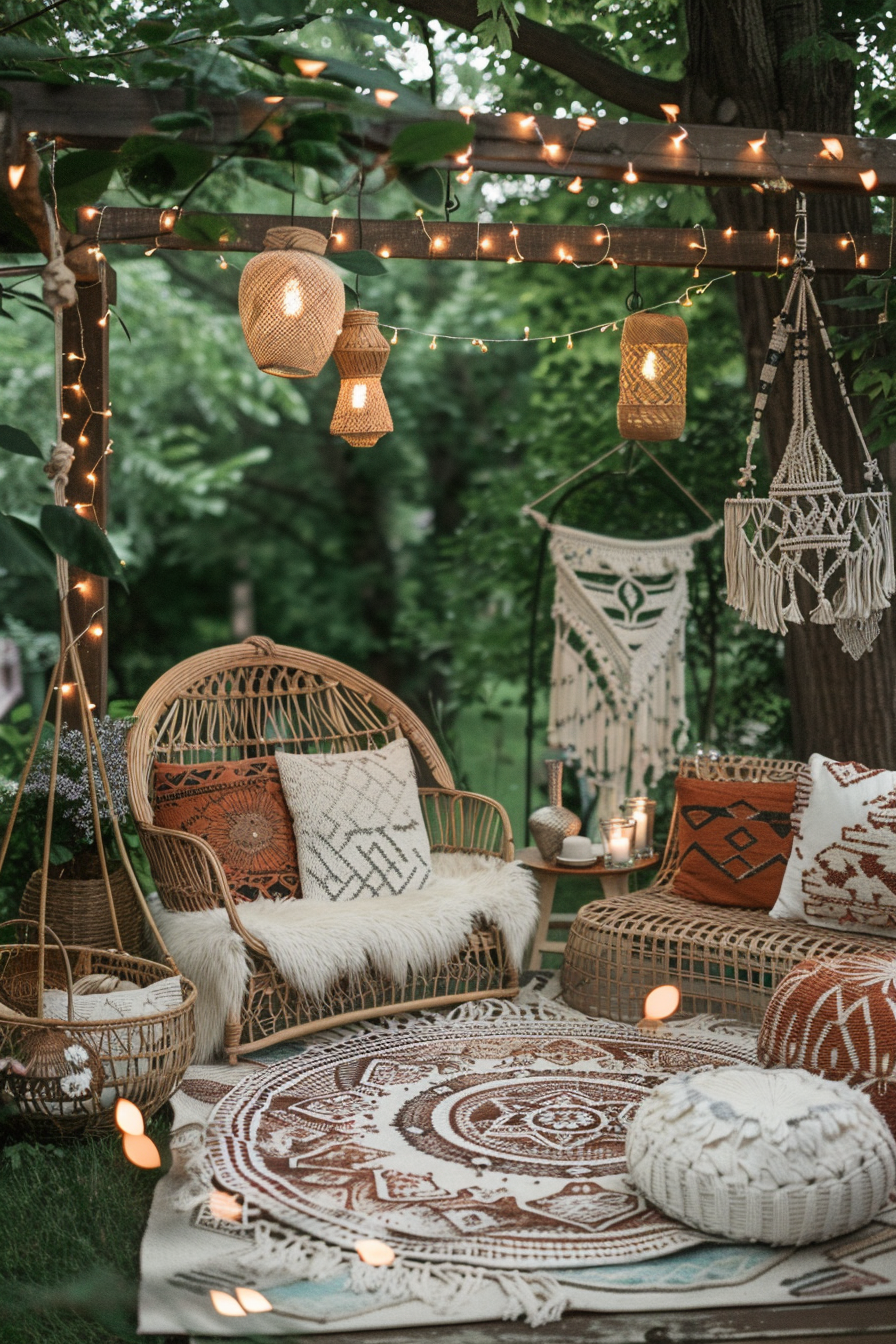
{"x": 362, "y": 413}
{"x": 140, "y": 1058}
{"x": 78, "y": 909}
{"x": 292, "y": 304}
{"x": 652, "y": 377}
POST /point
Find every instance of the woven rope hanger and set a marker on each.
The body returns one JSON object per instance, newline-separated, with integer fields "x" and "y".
{"x": 808, "y": 527}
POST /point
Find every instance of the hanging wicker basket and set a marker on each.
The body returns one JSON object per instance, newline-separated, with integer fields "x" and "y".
{"x": 362, "y": 413}
{"x": 652, "y": 377}
{"x": 292, "y": 304}
{"x": 76, "y": 1071}
{"x": 77, "y": 909}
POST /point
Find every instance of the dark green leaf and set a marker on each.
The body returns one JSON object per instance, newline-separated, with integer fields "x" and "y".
{"x": 427, "y": 141}
{"x": 80, "y": 541}
{"x": 15, "y": 236}
{"x": 17, "y": 441}
{"x": 23, "y": 551}
{"x": 16, "y": 48}
{"x": 359, "y": 263}
{"x": 81, "y": 177}
{"x": 183, "y": 121}
{"x": 272, "y": 174}
{"x": 60, "y": 853}
{"x": 426, "y": 185}
{"x": 155, "y": 166}
{"x": 197, "y": 227}
{"x": 323, "y": 126}
{"x": 154, "y": 32}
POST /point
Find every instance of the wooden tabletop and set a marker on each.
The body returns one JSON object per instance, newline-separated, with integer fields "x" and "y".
{"x": 531, "y": 858}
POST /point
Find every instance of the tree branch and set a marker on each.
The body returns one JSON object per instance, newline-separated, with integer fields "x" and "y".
{"x": 551, "y": 48}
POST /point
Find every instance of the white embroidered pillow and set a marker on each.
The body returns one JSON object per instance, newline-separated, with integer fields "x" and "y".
{"x": 841, "y": 873}
{"x": 358, "y": 822}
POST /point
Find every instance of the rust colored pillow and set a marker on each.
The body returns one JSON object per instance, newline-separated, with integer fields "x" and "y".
{"x": 239, "y": 808}
{"x": 734, "y": 840}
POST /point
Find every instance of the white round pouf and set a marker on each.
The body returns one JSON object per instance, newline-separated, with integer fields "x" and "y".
{"x": 779, "y": 1156}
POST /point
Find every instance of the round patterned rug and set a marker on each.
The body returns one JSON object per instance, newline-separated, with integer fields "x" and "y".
{"x": 498, "y": 1144}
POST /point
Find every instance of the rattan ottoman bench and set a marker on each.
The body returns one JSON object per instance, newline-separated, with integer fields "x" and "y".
{"x": 725, "y": 961}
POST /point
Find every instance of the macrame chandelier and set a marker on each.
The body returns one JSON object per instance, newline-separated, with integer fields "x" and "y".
{"x": 292, "y": 304}
{"x": 809, "y": 529}
{"x": 362, "y": 412}
{"x": 652, "y": 377}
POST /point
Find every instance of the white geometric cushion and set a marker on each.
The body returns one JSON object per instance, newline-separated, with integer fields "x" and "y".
{"x": 358, "y": 822}
{"x": 841, "y": 873}
{"x": 778, "y": 1156}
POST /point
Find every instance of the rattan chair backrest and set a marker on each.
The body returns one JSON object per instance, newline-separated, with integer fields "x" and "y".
{"x": 745, "y": 768}
{"x": 255, "y": 698}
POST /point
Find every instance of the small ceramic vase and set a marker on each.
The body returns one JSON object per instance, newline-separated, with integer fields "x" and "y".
{"x": 552, "y": 824}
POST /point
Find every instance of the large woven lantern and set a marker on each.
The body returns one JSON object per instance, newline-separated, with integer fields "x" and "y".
{"x": 362, "y": 412}
{"x": 653, "y": 377}
{"x": 291, "y": 304}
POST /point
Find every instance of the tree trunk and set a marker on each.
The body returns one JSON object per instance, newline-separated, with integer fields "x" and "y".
{"x": 736, "y": 73}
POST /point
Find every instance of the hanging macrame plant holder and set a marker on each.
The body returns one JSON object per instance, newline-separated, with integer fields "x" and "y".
{"x": 809, "y": 528}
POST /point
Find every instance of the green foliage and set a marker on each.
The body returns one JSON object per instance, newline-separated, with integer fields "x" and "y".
{"x": 80, "y": 541}
{"x": 429, "y": 140}
{"x": 14, "y": 440}
{"x": 23, "y": 551}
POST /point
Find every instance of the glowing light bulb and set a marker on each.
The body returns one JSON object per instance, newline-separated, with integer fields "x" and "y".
{"x": 15, "y": 172}
{"x": 687, "y": 301}
{"x": 862, "y": 259}
{"x": 222, "y": 264}
{"x": 569, "y": 342}
{"x": 438, "y": 243}
{"x": 525, "y": 333}
{"x": 757, "y": 145}
{"x": 89, "y": 211}
{"x": 679, "y": 139}
{"x": 385, "y": 97}
{"x": 526, "y": 122}
{"x": 670, "y": 111}
{"x": 648, "y": 368}
{"x": 868, "y": 179}
{"x": 140, "y": 1150}
{"x": 274, "y": 98}
{"x": 66, "y": 688}
{"x": 833, "y": 146}
{"x": 432, "y": 344}
{"x": 91, "y": 477}
{"x": 103, "y": 320}
{"x": 844, "y": 242}
{"x": 310, "y": 69}
{"x": 466, "y": 175}
{"x": 600, "y": 238}
{"x": 338, "y": 237}
{"x": 552, "y": 150}
{"x": 575, "y": 186}
{"x": 771, "y": 235}
{"x": 375, "y": 1252}
{"x": 485, "y": 244}
{"x": 252, "y": 1300}
{"x": 384, "y": 252}
{"x": 224, "y": 1304}
{"x": 394, "y": 340}
{"x": 660, "y": 1002}
{"x": 292, "y": 299}
{"x": 128, "y": 1117}
{"x": 729, "y": 233}
{"x": 96, "y": 631}
{"x": 359, "y": 396}
{"x": 514, "y": 233}
{"x": 785, "y": 261}
{"x": 585, "y": 123}
{"x": 167, "y": 220}
{"x": 630, "y": 175}
{"x": 466, "y": 113}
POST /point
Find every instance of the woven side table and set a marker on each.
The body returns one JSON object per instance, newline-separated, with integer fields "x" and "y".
{"x": 613, "y": 881}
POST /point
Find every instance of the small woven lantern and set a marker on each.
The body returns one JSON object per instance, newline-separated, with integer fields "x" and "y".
{"x": 291, "y": 304}
{"x": 653, "y": 377}
{"x": 362, "y": 413}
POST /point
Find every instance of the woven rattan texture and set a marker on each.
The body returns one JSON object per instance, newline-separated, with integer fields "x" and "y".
{"x": 362, "y": 413}
{"x": 292, "y": 304}
{"x": 78, "y": 910}
{"x": 652, "y": 377}
{"x": 726, "y": 961}
{"x": 147, "y": 1056}
{"x": 258, "y": 697}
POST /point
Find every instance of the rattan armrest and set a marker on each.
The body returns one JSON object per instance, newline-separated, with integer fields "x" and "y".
{"x": 189, "y": 875}
{"x": 469, "y": 823}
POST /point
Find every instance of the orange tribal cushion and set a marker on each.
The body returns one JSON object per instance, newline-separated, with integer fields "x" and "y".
{"x": 837, "y": 1018}
{"x": 734, "y": 840}
{"x": 239, "y": 808}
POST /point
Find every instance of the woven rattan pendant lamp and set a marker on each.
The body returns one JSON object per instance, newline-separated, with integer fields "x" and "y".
{"x": 652, "y": 377}
{"x": 291, "y": 304}
{"x": 362, "y": 413}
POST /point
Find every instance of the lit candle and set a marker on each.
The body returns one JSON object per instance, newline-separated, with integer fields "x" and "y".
{"x": 639, "y": 816}
{"x": 660, "y": 1002}
{"x": 620, "y": 846}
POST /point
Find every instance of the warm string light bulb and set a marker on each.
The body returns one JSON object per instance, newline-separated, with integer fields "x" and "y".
{"x": 670, "y": 111}
{"x": 868, "y": 179}
{"x": 310, "y": 69}
{"x": 385, "y": 97}
{"x": 467, "y": 113}
{"x": 384, "y": 252}
{"x": 630, "y": 175}
{"x": 575, "y": 186}
{"x": 466, "y": 175}
{"x": 569, "y": 342}
{"x": 394, "y": 340}
{"x": 585, "y": 123}
{"x": 832, "y": 147}
{"x": 15, "y": 172}
{"x": 758, "y": 145}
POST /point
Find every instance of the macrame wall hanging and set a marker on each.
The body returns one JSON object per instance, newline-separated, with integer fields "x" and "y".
{"x": 617, "y": 701}
{"x": 809, "y": 528}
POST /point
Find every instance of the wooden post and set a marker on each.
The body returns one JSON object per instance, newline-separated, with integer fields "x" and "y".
{"x": 85, "y": 426}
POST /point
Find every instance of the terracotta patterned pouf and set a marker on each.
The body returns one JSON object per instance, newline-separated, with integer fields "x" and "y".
{"x": 837, "y": 1018}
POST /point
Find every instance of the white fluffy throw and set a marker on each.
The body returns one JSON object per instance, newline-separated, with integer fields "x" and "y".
{"x": 314, "y": 943}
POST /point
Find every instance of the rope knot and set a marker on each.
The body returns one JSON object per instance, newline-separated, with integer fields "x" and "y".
{"x": 60, "y": 462}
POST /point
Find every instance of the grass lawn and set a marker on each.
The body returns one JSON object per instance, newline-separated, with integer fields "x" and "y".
{"x": 73, "y": 1214}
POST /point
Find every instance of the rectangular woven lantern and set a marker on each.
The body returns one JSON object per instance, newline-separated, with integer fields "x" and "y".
{"x": 652, "y": 377}
{"x": 362, "y": 413}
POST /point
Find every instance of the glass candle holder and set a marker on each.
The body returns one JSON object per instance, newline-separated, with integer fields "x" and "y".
{"x": 619, "y": 837}
{"x": 642, "y": 812}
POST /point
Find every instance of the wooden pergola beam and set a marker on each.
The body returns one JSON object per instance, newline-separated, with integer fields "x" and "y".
{"x": 430, "y": 240}
{"x": 106, "y": 116}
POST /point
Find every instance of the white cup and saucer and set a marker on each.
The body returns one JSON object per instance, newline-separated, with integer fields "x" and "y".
{"x": 577, "y": 851}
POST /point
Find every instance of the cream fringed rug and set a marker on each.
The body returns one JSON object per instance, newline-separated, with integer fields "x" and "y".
{"x": 485, "y": 1146}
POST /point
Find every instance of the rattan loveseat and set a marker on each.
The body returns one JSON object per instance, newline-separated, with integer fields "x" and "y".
{"x": 252, "y": 699}
{"x": 725, "y": 961}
